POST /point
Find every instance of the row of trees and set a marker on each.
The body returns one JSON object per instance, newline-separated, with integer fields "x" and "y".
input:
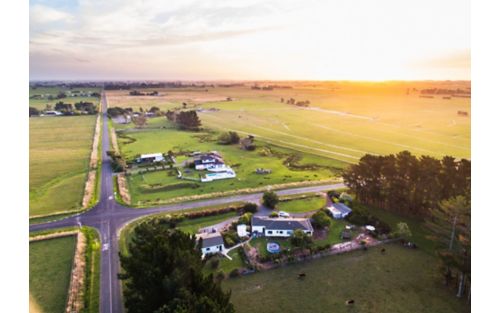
{"x": 408, "y": 184}
{"x": 436, "y": 190}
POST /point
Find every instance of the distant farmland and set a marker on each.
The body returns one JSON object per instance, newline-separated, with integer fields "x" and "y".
{"x": 343, "y": 121}
{"x": 59, "y": 157}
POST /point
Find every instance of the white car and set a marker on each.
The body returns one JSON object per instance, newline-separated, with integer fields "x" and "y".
{"x": 283, "y": 214}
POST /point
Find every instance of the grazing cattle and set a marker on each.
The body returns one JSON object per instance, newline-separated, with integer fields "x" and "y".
{"x": 349, "y": 302}
{"x": 302, "y": 275}
{"x": 382, "y": 250}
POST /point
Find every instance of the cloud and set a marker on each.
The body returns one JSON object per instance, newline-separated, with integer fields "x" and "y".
{"x": 41, "y": 14}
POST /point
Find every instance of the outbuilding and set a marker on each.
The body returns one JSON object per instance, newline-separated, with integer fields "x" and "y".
{"x": 151, "y": 158}
{"x": 211, "y": 243}
{"x": 339, "y": 210}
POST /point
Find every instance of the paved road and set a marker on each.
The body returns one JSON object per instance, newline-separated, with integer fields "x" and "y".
{"x": 108, "y": 217}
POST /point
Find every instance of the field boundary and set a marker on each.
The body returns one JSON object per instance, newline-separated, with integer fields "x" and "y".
{"x": 91, "y": 183}
{"x": 141, "y": 204}
{"x": 83, "y": 292}
{"x": 76, "y": 290}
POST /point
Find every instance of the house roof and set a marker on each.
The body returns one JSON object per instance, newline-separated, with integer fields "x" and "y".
{"x": 340, "y": 207}
{"x": 211, "y": 239}
{"x": 282, "y": 223}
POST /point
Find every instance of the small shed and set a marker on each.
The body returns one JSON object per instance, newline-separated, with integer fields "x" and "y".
{"x": 211, "y": 243}
{"x": 152, "y": 157}
{"x": 339, "y": 210}
{"x": 242, "y": 230}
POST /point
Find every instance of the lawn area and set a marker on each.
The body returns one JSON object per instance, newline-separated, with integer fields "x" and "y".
{"x": 394, "y": 282}
{"x": 419, "y": 232}
{"x": 311, "y": 203}
{"x": 333, "y": 236}
{"x": 154, "y": 186}
{"x": 260, "y": 244}
{"x": 191, "y": 226}
{"x": 49, "y": 272}
{"x": 59, "y": 156}
{"x": 226, "y": 265}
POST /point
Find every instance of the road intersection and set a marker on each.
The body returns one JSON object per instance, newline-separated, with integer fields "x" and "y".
{"x": 108, "y": 217}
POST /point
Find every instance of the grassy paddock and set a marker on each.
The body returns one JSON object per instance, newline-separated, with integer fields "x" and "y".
{"x": 59, "y": 158}
{"x": 394, "y": 282}
{"x": 50, "y": 268}
{"x": 308, "y": 203}
{"x": 288, "y": 166}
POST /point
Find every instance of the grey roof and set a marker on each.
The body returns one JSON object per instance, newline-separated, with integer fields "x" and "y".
{"x": 282, "y": 223}
{"x": 211, "y": 239}
{"x": 342, "y": 208}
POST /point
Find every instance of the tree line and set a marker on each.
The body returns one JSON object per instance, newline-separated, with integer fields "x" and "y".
{"x": 407, "y": 184}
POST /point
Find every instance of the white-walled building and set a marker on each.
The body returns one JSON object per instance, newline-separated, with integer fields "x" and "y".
{"x": 211, "y": 243}
{"x": 280, "y": 227}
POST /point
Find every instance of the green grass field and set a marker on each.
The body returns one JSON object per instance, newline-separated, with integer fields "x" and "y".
{"x": 46, "y": 91}
{"x": 311, "y": 203}
{"x": 394, "y": 282}
{"x": 59, "y": 156}
{"x": 49, "y": 272}
{"x": 344, "y": 120}
{"x": 191, "y": 226}
{"x": 152, "y": 186}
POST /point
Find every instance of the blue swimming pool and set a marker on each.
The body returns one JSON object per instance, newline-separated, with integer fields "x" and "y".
{"x": 273, "y": 247}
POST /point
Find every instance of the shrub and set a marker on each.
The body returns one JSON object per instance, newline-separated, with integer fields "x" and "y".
{"x": 229, "y": 138}
{"x": 320, "y": 219}
{"x": 250, "y": 207}
{"x": 270, "y": 199}
{"x": 234, "y": 273}
{"x": 273, "y": 214}
{"x": 333, "y": 194}
{"x": 245, "y": 218}
{"x": 220, "y": 276}
{"x": 214, "y": 263}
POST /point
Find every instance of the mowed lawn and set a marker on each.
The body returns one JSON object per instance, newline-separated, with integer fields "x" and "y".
{"x": 59, "y": 156}
{"x": 49, "y": 273}
{"x": 394, "y": 282}
{"x": 311, "y": 203}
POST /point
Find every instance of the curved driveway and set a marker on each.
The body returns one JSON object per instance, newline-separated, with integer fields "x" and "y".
{"x": 108, "y": 217}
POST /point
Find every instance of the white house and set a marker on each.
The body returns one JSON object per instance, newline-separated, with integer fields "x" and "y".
{"x": 339, "y": 210}
{"x": 152, "y": 157}
{"x": 211, "y": 243}
{"x": 280, "y": 227}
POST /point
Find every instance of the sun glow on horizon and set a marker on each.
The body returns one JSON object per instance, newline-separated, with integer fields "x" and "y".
{"x": 250, "y": 39}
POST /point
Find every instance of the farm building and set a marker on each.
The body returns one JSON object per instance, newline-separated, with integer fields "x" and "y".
{"x": 339, "y": 210}
{"x": 280, "y": 227}
{"x": 211, "y": 243}
{"x": 207, "y": 160}
{"x": 150, "y": 158}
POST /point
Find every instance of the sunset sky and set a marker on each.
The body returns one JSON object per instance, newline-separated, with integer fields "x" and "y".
{"x": 250, "y": 39}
